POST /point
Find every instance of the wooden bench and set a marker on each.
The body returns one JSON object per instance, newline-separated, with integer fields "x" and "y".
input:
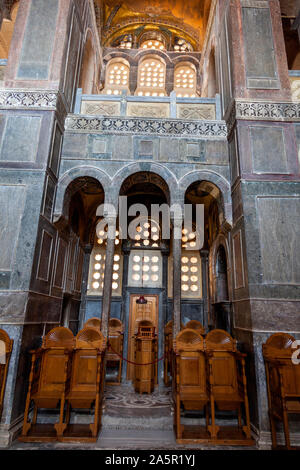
{"x": 49, "y": 374}
{"x": 6, "y": 345}
{"x": 190, "y": 384}
{"x": 228, "y": 388}
{"x": 86, "y": 387}
{"x": 283, "y": 383}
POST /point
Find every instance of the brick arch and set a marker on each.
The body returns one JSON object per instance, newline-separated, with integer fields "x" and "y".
{"x": 62, "y": 199}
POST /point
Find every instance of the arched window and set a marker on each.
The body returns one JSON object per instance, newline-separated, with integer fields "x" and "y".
{"x": 185, "y": 80}
{"x": 117, "y": 77}
{"x": 151, "y": 77}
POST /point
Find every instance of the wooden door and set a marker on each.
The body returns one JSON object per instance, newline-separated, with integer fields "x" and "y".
{"x": 138, "y": 312}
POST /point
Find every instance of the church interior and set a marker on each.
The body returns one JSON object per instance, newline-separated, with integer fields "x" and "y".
{"x": 121, "y": 325}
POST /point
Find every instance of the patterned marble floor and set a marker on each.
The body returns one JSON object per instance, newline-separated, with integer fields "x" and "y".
{"x": 131, "y": 422}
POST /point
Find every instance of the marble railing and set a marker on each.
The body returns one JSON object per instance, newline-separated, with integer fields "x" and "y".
{"x": 166, "y": 107}
{"x": 295, "y": 84}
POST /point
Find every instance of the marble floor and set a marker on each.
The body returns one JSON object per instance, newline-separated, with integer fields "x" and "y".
{"x": 131, "y": 422}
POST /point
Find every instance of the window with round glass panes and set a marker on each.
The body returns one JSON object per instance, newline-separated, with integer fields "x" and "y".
{"x": 185, "y": 81}
{"x": 151, "y": 78}
{"x": 97, "y": 266}
{"x": 117, "y": 78}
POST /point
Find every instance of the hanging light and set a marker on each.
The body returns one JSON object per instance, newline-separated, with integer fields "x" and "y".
{"x": 141, "y": 300}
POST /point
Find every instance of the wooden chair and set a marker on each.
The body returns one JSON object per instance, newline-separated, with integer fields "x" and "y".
{"x": 86, "y": 386}
{"x": 145, "y": 371}
{"x": 283, "y": 383}
{"x": 50, "y": 372}
{"x": 114, "y": 351}
{"x": 196, "y": 325}
{"x": 93, "y": 322}
{"x": 228, "y": 387}
{"x": 6, "y": 345}
{"x": 190, "y": 383}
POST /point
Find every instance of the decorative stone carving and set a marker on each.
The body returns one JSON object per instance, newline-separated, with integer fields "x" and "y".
{"x": 295, "y": 87}
{"x": 153, "y": 110}
{"x": 196, "y": 111}
{"x": 264, "y": 111}
{"x": 27, "y": 99}
{"x": 268, "y": 111}
{"x": 207, "y": 129}
{"x": 101, "y": 108}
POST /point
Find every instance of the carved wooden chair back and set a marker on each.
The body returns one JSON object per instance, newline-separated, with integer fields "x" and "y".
{"x": 86, "y": 384}
{"x": 115, "y": 333}
{"x": 94, "y": 322}
{"x": 224, "y": 378}
{"x": 227, "y": 376}
{"x": 196, "y": 325}
{"x": 283, "y": 381}
{"x": 6, "y": 345}
{"x": 190, "y": 381}
{"x": 189, "y": 351}
{"x": 56, "y": 348}
{"x": 49, "y": 375}
{"x": 89, "y": 344}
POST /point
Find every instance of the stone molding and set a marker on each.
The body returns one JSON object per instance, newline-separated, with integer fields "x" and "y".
{"x": 33, "y": 99}
{"x": 261, "y": 111}
{"x": 148, "y": 126}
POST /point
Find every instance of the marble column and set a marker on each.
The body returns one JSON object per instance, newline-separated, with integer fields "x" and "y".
{"x": 107, "y": 287}
{"x": 84, "y": 284}
{"x": 177, "y": 234}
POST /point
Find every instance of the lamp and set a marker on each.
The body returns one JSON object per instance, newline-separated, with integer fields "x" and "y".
{"x": 141, "y": 300}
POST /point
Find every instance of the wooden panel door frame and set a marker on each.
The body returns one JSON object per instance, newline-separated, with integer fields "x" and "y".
{"x": 131, "y": 327}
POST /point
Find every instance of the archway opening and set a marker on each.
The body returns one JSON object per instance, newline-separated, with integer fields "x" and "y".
{"x": 210, "y": 197}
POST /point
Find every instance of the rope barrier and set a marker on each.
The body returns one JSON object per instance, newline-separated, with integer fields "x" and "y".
{"x": 135, "y": 363}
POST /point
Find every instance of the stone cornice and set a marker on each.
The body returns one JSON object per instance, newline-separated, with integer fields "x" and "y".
{"x": 28, "y": 99}
{"x": 146, "y": 126}
{"x": 262, "y": 111}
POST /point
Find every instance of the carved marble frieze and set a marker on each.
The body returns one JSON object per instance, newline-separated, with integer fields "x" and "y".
{"x": 101, "y": 108}
{"x": 28, "y": 99}
{"x": 115, "y": 125}
{"x": 153, "y": 110}
{"x": 196, "y": 111}
{"x": 295, "y": 87}
{"x": 262, "y": 111}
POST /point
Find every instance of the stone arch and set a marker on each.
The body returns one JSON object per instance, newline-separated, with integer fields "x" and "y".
{"x": 218, "y": 180}
{"x": 155, "y": 168}
{"x": 223, "y": 241}
{"x": 62, "y": 199}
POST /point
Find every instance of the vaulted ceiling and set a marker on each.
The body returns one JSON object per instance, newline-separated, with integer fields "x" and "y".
{"x": 187, "y": 17}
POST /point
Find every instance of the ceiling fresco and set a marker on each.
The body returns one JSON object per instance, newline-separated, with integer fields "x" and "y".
{"x": 188, "y": 18}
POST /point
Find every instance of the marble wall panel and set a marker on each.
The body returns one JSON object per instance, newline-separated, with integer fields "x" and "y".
{"x": 20, "y": 138}
{"x": 11, "y": 209}
{"x": 273, "y": 160}
{"x": 279, "y": 228}
{"x": 261, "y": 67}
{"x": 38, "y": 40}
